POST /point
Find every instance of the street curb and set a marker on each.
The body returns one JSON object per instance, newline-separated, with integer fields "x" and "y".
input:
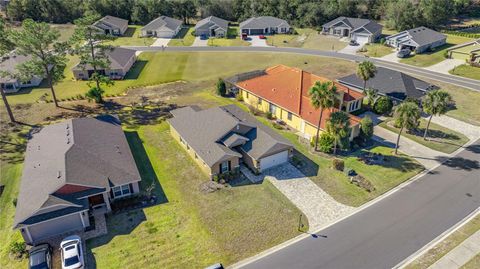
{"x": 437, "y": 240}
{"x": 358, "y": 209}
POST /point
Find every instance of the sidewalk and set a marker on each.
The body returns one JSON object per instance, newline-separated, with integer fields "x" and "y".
{"x": 461, "y": 254}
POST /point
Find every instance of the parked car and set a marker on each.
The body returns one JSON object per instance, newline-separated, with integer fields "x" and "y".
{"x": 244, "y": 36}
{"x": 353, "y": 43}
{"x": 215, "y": 266}
{"x": 404, "y": 53}
{"x": 72, "y": 253}
{"x": 40, "y": 257}
{"x": 262, "y": 37}
{"x": 203, "y": 37}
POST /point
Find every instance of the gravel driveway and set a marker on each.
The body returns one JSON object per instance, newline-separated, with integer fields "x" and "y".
{"x": 319, "y": 207}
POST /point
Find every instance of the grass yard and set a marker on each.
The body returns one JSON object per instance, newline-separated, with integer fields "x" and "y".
{"x": 308, "y": 39}
{"x": 446, "y": 245}
{"x": 132, "y": 38}
{"x": 431, "y": 58}
{"x": 474, "y": 263}
{"x": 184, "y": 38}
{"x": 232, "y": 40}
{"x": 439, "y": 138}
{"x": 376, "y": 50}
{"x": 467, "y": 71}
{"x": 193, "y": 229}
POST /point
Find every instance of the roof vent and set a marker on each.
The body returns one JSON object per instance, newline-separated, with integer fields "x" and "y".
{"x": 68, "y": 126}
{"x": 39, "y": 147}
{"x": 68, "y": 140}
{"x": 59, "y": 174}
{"x": 118, "y": 149}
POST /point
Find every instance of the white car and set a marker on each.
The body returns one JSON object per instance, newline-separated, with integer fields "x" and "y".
{"x": 72, "y": 252}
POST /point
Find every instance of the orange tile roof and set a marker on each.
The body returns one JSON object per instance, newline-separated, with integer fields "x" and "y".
{"x": 288, "y": 88}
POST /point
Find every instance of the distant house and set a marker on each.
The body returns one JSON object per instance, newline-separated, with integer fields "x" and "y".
{"x": 361, "y": 30}
{"x": 283, "y": 91}
{"x": 418, "y": 39}
{"x": 111, "y": 25}
{"x": 162, "y": 26}
{"x": 264, "y": 25}
{"x": 121, "y": 60}
{"x": 469, "y": 51}
{"x": 10, "y": 83}
{"x": 212, "y": 26}
{"x": 71, "y": 169}
{"x": 393, "y": 84}
{"x": 220, "y": 138}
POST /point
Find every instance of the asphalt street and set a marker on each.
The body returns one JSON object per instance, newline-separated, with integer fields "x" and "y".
{"x": 416, "y": 71}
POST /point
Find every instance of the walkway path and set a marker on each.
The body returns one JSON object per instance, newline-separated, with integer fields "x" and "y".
{"x": 159, "y": 42}
{"x": 319, "y": 207}
{"x": 460, "y": 255}
{"x": 471, "y": 131}
{"x": 445, "y": 65}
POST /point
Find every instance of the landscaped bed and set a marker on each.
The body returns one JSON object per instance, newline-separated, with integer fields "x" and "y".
{"x": 439, "y": 138}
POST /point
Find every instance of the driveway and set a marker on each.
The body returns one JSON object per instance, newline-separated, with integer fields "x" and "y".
{"x": 392, "y": 57}
{"x": 352, "y": 49}
{"x": 445, "y": 65}
{"x": 319, "y": 207}
{"x": 161, "y": 42}
{"x": 199, "y": 42}
{"x": 255, "y": 41}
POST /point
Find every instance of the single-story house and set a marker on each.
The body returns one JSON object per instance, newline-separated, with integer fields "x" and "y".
{"x": 121, "y": 60}
{"x": 283, "y": 91}
{"x": 212, "y": 26}
{"x": 111, "y": 25}
{"x": 264, "y": 25}
{"x": 162, "y": 26}
{"x": 469, "y": 51}
{"x": 11, "y": 83}
{"x": 361, "y": 30}
{"x": 418, "y": 39}
{"x": 391, "y": 83}
{"x": 221, "y": 138}
{"x": 72, "y": 169}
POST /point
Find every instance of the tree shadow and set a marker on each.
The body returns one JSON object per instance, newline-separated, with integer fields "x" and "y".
{"x": 13, "y": 141}
{"x": 459, "y": 163}
{"x": 129, "y": 32}
{"x": 136, "y": 69}
{"x": 182, "y": 33}
{"x": 308, "y": 167}
{"x": 474, "y": 148}
{"x": 145, "y": 115}
{"x": 433, "y": 133}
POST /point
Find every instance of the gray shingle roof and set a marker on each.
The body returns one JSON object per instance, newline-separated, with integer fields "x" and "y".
{"x": 424, "y": 36}
{"x": 118, "y": 57}
{"x": 163, "y": 21}
{"x": 262, "y": 22}
{"x": 111, "y": 21}
{"x": 208, "y": 131}
{"x": 355, "y": 23}
{"x": 90, "y": 152}
{"x": 9, "y": 63}
{"x": 391, "y": 83}
{"x": 213, "y": 21}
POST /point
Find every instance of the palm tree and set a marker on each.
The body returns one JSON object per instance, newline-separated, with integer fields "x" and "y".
{"x": 435, "y": 103}
{"x": 406, "y": 115}
{"x": 338, "y": 126}
{"x": 371, "y": 96}
{"x": 322, "y": 96}
{"x": 366, "y": 70}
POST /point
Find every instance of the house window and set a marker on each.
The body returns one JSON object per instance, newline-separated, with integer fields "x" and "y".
{"x": 246, "y": 94}
{"x": 283, "y": 30}
{"x": 120, "y": 191}
{"x": 289, "y": 116}
{"x": 224, "y": 167}
{"x": 259, "y": 101}
{"x": 273, "y": 109}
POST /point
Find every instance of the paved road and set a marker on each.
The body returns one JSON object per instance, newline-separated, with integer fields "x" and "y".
{"x": 386, "y": 233}
{"x": 455, "y": 80}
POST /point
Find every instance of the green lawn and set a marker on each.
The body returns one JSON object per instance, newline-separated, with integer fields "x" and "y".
{"x": 436, "y": 56}
{"x": 439, "y": 138}
{"x": 193, "y": 229}
{"x": 132, "y": 38}
{"x": 306, "y": 38}
{"x": 446, "y": 245}
{"x": 184, "y": 38}
{"x": 376, "y": 50}
{"x": 474, "y": 263}
{"x": 467, "y": 71}
{"x": 233, "y": 39}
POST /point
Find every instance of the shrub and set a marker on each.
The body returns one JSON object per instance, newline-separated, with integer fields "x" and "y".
{"x": 269, "y": 115}
{"x": 338, "y": 164}
{"x": 382, "y": 41}
{"x": 95, "y": 94}
{"x": 18, "y": 249}
{"x": 366, "y": 128}
{"x": 277, "y": 126}
{"x": 325, "y": 142}
{"x": 445, "y": 54}
{"x": 254, "y": 111}
{"x": 239, "y": 97}
{"x": 383, "y": 105}
{"x": 221, "y": 87}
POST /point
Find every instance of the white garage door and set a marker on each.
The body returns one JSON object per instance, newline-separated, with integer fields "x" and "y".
{"x": 273, "y": 160}
{"x": 165, "y": 34}
{"x": 56, "y": 226}
{"x": 361, "y": 38}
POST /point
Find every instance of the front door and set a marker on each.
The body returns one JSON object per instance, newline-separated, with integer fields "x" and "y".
{"x": 96, "y": 200}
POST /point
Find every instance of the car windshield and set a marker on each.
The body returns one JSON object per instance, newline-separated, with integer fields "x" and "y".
{"x": 71, "y": 261}
{"x": 37, "y": 260}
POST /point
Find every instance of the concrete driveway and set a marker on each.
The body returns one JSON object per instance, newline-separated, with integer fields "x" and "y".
{"x": 255, "y": 41}
{"x": 318, "y": 206}
{"x": 445, "y": 65}
{"x": 352, "y": 49}
{"x": 199, "y": 42}
{"x": 161, "y": 42}
{"x": 392, "y": 57}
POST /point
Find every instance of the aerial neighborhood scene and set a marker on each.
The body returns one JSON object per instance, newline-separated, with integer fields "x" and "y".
{"x": 218, "y": 134}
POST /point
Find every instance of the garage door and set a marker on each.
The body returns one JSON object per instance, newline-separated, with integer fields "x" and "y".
{"x": 256, "y": 31}
{"x": 165, "y": 34}
{"x": 56, "y": 226}
{"x": 273, "y": 160}
{"x": 361, "y": 38}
